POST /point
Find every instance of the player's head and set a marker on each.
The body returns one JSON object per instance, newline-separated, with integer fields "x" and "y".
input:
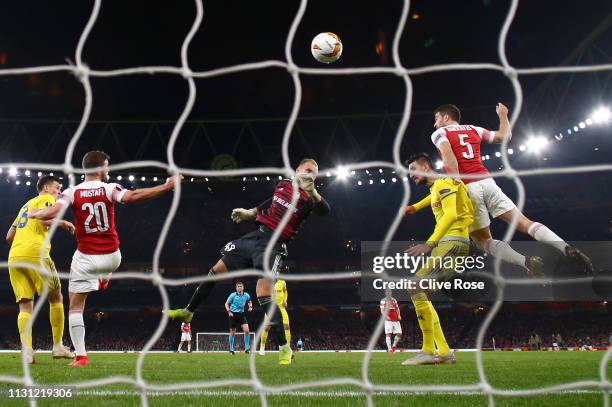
{"x": 446, "y": 115}
{"x": 49, "y": 184}
{"x": 308, "y": 166}
{"x": 95, "y": 164}
{"x": 419, "y": 162}
{"x": 239, "y": 287}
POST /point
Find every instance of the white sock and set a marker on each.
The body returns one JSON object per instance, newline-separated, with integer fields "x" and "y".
{"x": 77, "y": 332}
{"x": 180, "y": 346}
{"x": 543, "y": 234}
{"x": 388, "y": 340}
{"x": 396, "y": 340}
{"x": 189, "y": 347}
{"x": 498, "y": 248}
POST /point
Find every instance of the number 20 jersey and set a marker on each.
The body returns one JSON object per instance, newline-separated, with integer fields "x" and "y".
{"x": 465, "y": 143}
{"x": 93, "y": 206}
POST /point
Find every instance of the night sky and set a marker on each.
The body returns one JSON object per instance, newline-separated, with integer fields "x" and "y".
{"x": 232, "y": 32}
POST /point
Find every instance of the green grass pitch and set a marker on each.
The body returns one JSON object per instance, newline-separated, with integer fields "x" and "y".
{"x": 507, "y": 370}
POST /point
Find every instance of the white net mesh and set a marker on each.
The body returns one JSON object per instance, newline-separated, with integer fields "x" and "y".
{"x": 83, "y": 73}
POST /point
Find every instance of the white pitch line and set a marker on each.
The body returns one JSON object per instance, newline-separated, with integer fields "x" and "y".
{"x": 331, "y": 394}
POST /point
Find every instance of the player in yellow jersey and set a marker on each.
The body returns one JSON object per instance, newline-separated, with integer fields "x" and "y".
{"x": 281, "y": 296}
{"x": 454, "y": 213}
{"x": 26, "y": 238}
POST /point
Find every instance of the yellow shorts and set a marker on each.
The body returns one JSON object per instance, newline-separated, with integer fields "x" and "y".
{"x": 283, "y": 313}
{"x": 27, "y": 281}
{"x": 442, "y": 260}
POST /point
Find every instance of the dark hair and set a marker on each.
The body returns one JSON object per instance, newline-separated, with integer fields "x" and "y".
{"x": 94, "y": 159}
{"x": 422, "y": 158}
{"x": 306, "y": 160}
{"x": 239, "y": 282}
{"x": 451, "y": 110}
{"x": 46, "y": 180}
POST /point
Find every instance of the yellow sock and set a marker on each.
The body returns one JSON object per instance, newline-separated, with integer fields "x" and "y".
{"x": 288, "y": 335}
{"x": 22, "y": 321}
{"x": 424, "y": 315}
{"x": 439, "y": 338}
{"x": 56, "y": 317}
{"x": 264, "y": 338}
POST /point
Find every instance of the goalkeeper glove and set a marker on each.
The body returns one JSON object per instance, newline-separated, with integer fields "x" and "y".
{"x": 241, "y": 214}
{"x": 104, "y": 282}
{"x": 306, "y": 183}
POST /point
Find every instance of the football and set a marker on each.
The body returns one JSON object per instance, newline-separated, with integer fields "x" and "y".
{"x": 326, "y": 47}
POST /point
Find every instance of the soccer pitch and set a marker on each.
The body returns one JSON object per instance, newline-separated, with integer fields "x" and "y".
{"x": 506, "y": 370}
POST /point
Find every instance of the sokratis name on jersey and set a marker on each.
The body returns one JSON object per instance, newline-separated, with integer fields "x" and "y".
{"x": 89, "y": 193}
{"x": 458, "y": 127}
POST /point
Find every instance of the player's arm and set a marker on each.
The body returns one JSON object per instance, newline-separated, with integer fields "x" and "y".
{"x": 450, "y": 161}
{"x": 143, "y": 194}
{"x": 504, "y": 125}
{"x": 399, "y": 314}
{"x": 250, "y": 306}
{"x": 10, "y": 234}
{"x": 242, "y": 215}
{"x": 414, "y": 208}
{"x": 229, "y": 300}
{"x": 49, "y": 213}
{"x": 307, "y": 184}
{"x": 286, "y": 295}
{"x": 321, "y": 207}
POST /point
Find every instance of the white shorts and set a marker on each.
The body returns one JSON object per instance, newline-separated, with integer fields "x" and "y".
{"x": 487, "y": 198}
{"x": 185, "y": 337}
{"x": 86, "y": 269}
{"x": 393, "y": 327}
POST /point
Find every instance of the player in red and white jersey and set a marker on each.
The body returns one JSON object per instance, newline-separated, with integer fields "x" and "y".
{"x": 459, "y": 147}
{"x": 185, "y": 336}
{"x": 97, "y": 255}
{"x": 390, "y": 309}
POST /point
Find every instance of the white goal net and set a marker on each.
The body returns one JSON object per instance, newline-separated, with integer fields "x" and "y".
{"x": 83, "y": 73}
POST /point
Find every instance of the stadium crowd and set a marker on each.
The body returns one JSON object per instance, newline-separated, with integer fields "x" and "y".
{"x": 340, "y": 330}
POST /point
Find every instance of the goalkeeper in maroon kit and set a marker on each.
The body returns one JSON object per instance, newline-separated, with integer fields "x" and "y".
{"x": 248, "y": 251}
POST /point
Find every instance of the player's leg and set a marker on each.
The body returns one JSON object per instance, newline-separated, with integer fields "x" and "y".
{"x": 199, "y": 295}
{"x": 247, "y": 338}
{"x": 286, "y": 325}
{"x": 232, "y": 334}
{"x": 397, "y": 331}
{"x": 426, "y": 314}
{"x": 25, "y": 333}
{"x": 497, "y": 248}
{"x": 264, "y": 296}
{"x": 264, "y": 336}
{"x": 85, "y": 273}
{"x": 483, "y": 196}
{"x": 543, "y": 234}
{"x": 189, "y": 344}
{"x": 24, "y": 288}
{"x": 56, "y": 315}
{"x": 76, "y": 323}
{"x": 388, "y": 334}
{"x": 388, "y": 341}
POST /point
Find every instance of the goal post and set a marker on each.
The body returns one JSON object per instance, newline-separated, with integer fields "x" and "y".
{"x": 219, "y": 341}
